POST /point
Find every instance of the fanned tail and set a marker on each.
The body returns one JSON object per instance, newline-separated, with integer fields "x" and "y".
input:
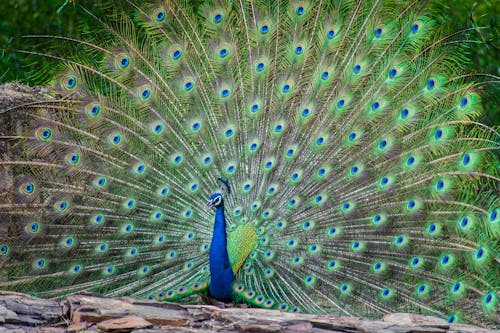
{"x": 362, "y": 182}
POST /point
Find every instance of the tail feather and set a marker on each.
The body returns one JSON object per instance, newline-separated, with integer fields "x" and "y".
{"x": 362, "y": 181}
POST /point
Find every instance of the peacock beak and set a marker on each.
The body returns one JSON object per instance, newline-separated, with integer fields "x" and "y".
{"x": 209, "y": 205}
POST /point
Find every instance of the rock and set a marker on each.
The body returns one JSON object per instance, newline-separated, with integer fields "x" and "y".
{"x": 461, "y": 328}
{"x": 51, "y": 330}
{"x": 77, "y": 327}
{"x": 85, "y": 308}
{"x": 18, "y": 308}
{"x": 89, "y": 313}
{"x": 7, "y": 315}
{"x": 166, "y": 329}
{"x": 415, "y": 319}
{"x": 124, "y": 324}
{"x": 11, "y": 330}
{"x": 300, "y": 327}
{"x": 14, "y": 94}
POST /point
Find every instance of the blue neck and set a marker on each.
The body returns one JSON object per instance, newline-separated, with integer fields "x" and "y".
{"x": 221, "y": 272}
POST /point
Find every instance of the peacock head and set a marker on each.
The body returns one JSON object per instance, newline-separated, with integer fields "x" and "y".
{"x": 215, "y": 201}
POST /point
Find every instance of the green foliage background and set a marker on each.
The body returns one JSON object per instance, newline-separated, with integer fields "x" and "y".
{"x": 65, "y": 17}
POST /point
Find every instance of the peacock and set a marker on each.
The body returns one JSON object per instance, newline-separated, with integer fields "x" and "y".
{"x": 304, "y": 156}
